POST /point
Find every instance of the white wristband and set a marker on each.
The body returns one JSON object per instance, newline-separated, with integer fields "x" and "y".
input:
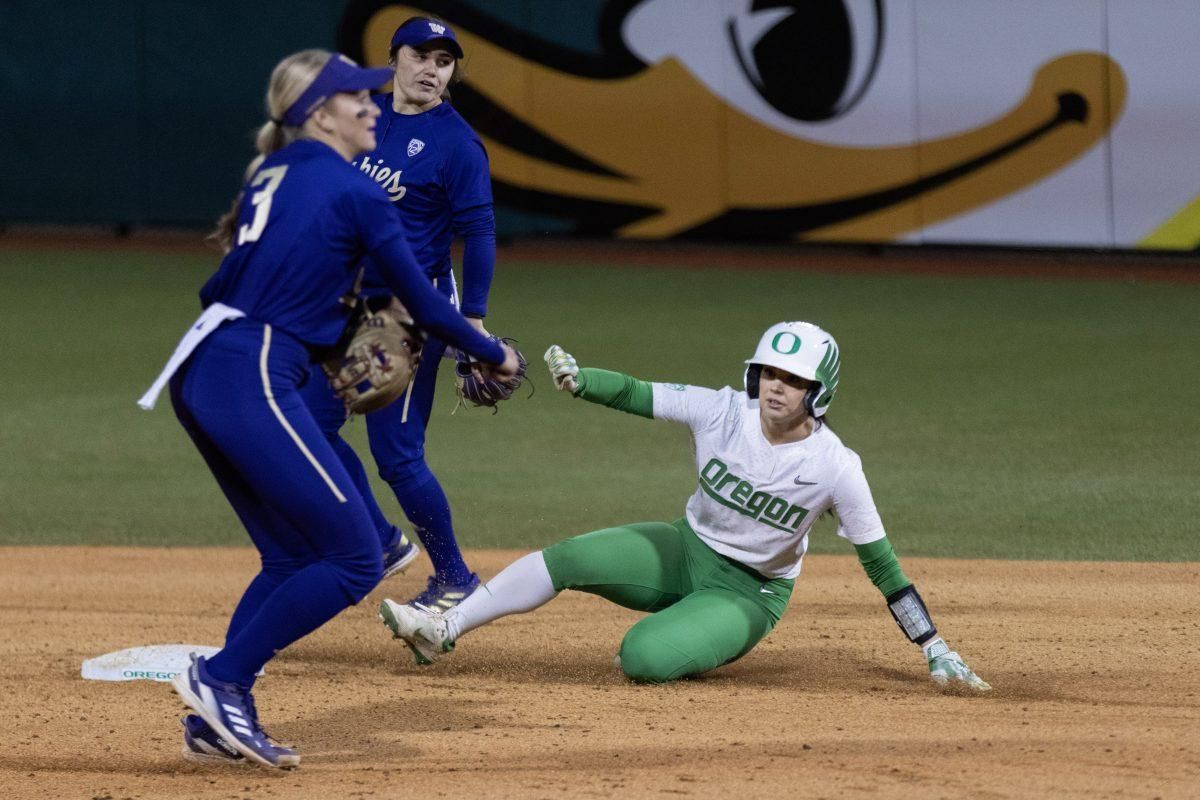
{"x": 935, "y": 647}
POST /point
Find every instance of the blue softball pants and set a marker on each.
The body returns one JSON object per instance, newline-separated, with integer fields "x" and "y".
{"x": 238, "y": 397}
{"x": 397, "y": 439}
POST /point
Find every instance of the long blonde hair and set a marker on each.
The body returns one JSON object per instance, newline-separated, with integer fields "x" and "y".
{"x": 289, "y": 79}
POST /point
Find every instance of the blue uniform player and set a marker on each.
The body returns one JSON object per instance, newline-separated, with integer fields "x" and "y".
{"x": 296, "y": 237}
{"x": 434, "y": 169}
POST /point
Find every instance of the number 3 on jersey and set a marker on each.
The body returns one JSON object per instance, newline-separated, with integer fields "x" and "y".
{"x": 261, "y": 200}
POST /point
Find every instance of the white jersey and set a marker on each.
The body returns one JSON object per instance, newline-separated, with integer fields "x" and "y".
{"x": 756, "y": 502}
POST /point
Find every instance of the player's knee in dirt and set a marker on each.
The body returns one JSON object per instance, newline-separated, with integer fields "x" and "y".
{"x": 646, "y": 658}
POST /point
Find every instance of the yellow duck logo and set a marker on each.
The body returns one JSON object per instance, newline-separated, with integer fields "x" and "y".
{"x": 716, "y": 125}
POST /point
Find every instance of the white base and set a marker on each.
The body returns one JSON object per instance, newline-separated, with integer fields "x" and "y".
{"x": 154, "y": 662}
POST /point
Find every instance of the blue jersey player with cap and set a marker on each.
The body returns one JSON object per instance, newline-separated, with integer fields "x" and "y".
{"x": 434, "y": 169}
{"x": 296, "y": 236}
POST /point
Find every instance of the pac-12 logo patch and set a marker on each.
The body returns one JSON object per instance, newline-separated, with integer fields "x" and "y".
{"x": 415, "y": 146}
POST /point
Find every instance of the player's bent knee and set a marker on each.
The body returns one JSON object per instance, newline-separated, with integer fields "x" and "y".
{"x": 646, "y": 658}
{"x": 280, "y": 564}
{"x": 403, "y": 468}
{"x": 359, "y": 574}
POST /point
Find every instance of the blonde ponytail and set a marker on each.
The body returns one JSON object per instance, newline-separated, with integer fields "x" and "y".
{"x": 289, "y": 79}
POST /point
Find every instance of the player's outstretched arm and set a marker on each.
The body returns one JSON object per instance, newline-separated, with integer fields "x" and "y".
{"x": 946, "y": 667}
{"x": 612, "y": 389}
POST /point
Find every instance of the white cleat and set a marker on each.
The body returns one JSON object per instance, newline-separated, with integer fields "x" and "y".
{"x": 424, "y": 631}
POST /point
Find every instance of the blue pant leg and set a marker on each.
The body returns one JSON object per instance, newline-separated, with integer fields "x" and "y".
{"x": 327, "y": 408}
{"x": 397, "y": 433}
{"x": 397, "y": 438}
{"x": 240, "y": 390}
{"x": 389, "y": 534}
{"x": 330, "y": 413}
{"x": 281, "y": 556}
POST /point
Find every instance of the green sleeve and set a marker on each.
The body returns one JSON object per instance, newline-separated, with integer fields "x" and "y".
{"x": 615, "y": 390}
{"x": 879, "y": 560}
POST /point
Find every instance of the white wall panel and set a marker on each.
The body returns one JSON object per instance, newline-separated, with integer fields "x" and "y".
{"x": 975, "y": 63}
{"x": 1156, "y": 163}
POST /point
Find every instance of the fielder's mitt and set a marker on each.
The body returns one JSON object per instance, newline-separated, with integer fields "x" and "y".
{"x": 480, "y": 388}
{"x": 378, "y": 361}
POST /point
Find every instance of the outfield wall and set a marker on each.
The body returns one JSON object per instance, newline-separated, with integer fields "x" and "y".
{"x": 1029, "y": 122}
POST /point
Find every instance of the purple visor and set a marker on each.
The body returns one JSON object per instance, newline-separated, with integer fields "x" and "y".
{"x": 420, "y": 32}
{"x": 341, "y": 74}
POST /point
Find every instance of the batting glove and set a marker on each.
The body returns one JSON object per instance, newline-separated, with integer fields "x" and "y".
{"x": 563, "y": 368}
{"x": 947, "y": 668}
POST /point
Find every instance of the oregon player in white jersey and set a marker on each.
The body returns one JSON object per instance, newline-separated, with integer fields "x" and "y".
{"x": 717, "y": 581}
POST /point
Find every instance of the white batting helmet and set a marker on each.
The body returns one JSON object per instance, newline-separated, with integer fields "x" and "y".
{"x": 802, "y": 349}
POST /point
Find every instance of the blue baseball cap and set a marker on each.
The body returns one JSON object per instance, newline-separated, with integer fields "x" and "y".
{"x": 340, "y": 74}
{"x": 420, "y": 31}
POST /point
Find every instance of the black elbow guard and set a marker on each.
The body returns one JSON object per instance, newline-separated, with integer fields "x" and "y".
{"x": 910, "y": 614}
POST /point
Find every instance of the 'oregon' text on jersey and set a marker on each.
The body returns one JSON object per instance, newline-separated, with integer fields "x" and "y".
{"x": 731, "y": 491}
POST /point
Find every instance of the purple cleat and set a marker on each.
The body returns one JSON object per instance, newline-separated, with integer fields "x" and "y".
{"x": 399, "y": 557}
{"x": 201, "y": 743}
{"x": 441, "y": 597}
{"x": 230, "y": 713}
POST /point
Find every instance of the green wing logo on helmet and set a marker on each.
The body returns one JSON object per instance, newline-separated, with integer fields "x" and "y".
{"x": 827, "y": 371}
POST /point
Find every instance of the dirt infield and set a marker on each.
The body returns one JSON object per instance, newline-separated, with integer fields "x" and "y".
{"x": 1094, "y": 666}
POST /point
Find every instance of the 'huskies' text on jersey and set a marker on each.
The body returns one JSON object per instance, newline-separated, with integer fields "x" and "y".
{"x": 427, "y": 162}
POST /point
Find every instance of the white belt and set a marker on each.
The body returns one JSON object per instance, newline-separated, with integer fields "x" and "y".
{"x": 208, "y": 322}
{"x": 450, "y": 352}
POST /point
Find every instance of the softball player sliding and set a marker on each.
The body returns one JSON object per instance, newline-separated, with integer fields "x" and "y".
{"x": 278, "y": 299}
{"x": 435, "y": 171}
{"x": 718, "y": 580}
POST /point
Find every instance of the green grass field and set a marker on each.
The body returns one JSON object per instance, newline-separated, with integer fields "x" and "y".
{"x": 996, "y": 417}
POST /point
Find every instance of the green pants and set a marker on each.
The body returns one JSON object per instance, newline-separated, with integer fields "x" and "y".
{"x": 706, "y": 609}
